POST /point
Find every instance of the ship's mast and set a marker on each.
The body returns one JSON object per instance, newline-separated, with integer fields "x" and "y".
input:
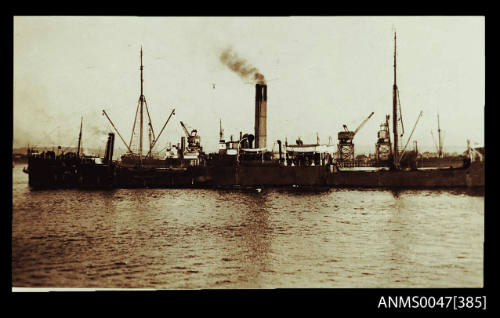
{"x": 79, "y": 139}
{"x": 221, "y": 132}
{"x": 440, "y": 146}
{"x": 141, "y": 115}
{"x": 395, "y": 111}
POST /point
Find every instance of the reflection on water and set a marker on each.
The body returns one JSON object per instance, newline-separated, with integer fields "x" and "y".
{"x": 173, "y": 238}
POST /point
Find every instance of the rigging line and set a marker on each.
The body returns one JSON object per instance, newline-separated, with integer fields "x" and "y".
{"x": 434, "y": 141}
{"x": 400, "y": 114}
{"x": 149, "y": 117}
{"x": 442, "y": 142}
{"x": 135, "y": 120}
{"x": 165, "y": 148}
{"x": 104, "y": 113}
{"x": 49, "y": 134}
{"x": 411, "y": 134}
{"x": 161, "y": 131}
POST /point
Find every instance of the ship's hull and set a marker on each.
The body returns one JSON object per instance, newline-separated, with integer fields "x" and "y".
{"x": 446, "y": 162}
{"x": 57, "y": 174}
{"x": 326, "y": 176}
{"x": 472, "y": 176}
{"x": 112, "y": 176}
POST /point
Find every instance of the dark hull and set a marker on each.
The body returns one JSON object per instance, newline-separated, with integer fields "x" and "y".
{"x": 325, "y": 176}
{"x": 446, "y": 162}
{"x": 50, "y": 175}
{"x": 435, "y": 178}
{"x": 56, "y": 174}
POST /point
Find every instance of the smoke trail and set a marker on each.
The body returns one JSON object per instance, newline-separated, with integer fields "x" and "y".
{"x": 241, "y": 67}
{"x": 97, "y": 131}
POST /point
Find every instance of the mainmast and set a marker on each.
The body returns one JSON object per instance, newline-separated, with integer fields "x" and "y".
{"x": 141, "y": 99}
{"x": 79, "y": 139}
{"x": 395, "y": 110}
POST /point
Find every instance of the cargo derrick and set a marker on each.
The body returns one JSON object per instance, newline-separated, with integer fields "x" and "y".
{"x": 161, "y": 131}
{"x": 192, "y": 153}
{"x": 138, "y": 159}
{"x": 345, "y": 144}
{"x": 193, "y": 138}
{"x": 410, "y": 160}
{"x": 383, "y": 147}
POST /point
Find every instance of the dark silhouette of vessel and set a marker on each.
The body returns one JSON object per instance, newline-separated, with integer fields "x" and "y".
{"x": 246, "y": 162}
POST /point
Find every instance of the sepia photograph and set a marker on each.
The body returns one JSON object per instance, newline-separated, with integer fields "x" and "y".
{"x": 188, "y": 153}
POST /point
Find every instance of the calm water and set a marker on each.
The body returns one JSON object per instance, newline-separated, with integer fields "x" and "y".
{"x": 169, "y": 238}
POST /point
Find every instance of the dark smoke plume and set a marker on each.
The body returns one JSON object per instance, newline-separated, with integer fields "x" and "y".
{"x": 241, "y": 67}
{"x": 96, "y": 131}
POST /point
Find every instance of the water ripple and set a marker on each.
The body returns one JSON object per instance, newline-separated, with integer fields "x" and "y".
{"x": 191, "y": 238}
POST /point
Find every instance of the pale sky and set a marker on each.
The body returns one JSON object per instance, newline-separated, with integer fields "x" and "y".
{"x": 322, "y": 72}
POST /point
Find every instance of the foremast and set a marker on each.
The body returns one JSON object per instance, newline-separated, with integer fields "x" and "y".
{"x": 142, "y": 103}
{"x": 395, "y": 112}
{"x": 140, "y": 109}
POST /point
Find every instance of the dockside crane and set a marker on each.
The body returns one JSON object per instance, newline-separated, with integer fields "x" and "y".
{"x": 363, "y": 123}
{"x": 345, "y": 145}
{"x": 193, "y": 138}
